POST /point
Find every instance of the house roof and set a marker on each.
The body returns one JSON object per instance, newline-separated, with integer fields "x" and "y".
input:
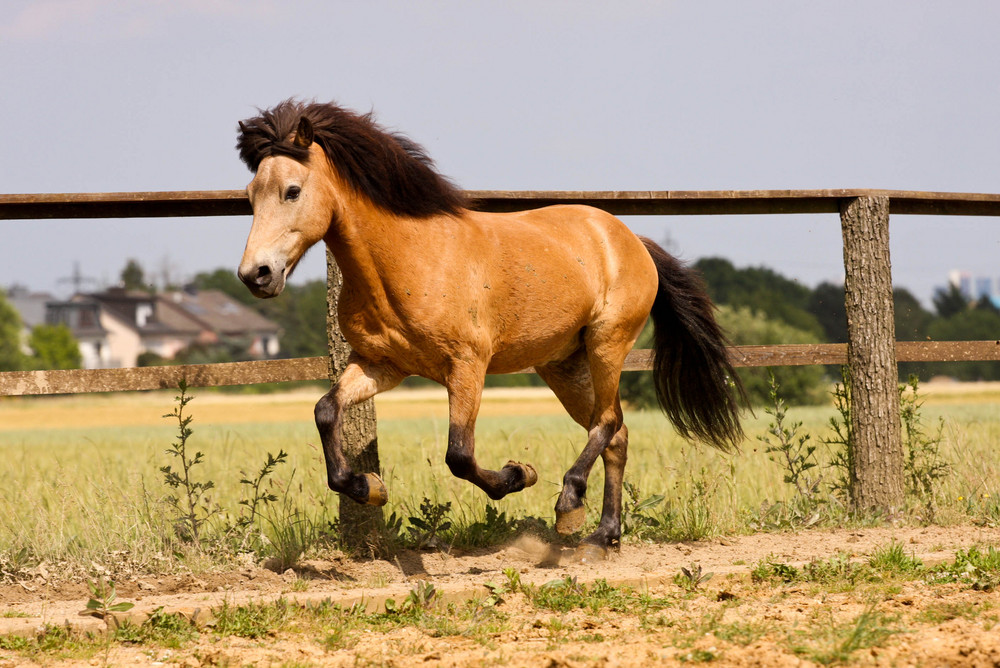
{"x": 187, "y": 312}
{"x": 220, "y": 312}
{"x": 137, "y": 309}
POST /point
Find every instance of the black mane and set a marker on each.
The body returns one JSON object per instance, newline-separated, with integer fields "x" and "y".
{"x": 391, "y": 170}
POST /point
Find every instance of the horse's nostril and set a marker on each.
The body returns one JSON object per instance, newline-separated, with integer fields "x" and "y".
{"x": 263, "y": 275}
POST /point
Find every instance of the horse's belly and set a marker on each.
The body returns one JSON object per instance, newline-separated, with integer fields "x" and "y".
{"x": 522, "y": 355}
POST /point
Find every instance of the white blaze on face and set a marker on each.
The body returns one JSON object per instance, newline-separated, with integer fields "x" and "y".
{"x": 284, "y": 224}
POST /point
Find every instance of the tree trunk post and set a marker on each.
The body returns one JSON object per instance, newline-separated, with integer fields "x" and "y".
{"x": 360, "y": 525}
{"x": 876, "y": 483}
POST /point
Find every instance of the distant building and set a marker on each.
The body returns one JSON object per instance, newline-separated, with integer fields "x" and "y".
{"x": 116, "y": 326}
{"x": 975, "y": 288}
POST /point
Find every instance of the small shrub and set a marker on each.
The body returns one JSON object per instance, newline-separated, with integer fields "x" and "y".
{"x": 923, "y": 464}
{"x": 786, "y": 446}
{"x": 192, "y": 507}
{"x": 432, "y": 521}
{"x": 689, "y": 579}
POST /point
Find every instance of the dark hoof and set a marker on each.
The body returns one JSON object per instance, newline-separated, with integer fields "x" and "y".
{"x": 527, "y": 473}
{"x": 377, "y": 495}
{"x": 570, "y": 521}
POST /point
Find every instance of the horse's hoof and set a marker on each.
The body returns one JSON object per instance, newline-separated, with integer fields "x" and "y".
{"x": 589, "y": 553}
{"x": 377, "y": 495}
{"x": 570, "y": 521}
{"x": 530, "y": 476}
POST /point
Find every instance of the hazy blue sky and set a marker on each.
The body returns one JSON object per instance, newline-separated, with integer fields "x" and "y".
{"x": 106, "y": 95}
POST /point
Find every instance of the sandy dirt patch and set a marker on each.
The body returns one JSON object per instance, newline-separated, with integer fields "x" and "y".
{"x": 611, "y": 639}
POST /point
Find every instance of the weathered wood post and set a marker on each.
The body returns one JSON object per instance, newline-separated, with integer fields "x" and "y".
{"x": 360, "y": 525}
{"x": 876, "y": 452}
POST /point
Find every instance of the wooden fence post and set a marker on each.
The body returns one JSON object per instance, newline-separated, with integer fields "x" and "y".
{"x": 360, "y": 525}
{"x": 876, "y": 451}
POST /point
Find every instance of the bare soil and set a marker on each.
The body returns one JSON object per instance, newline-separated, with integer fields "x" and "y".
{"x": 939, "y": 625}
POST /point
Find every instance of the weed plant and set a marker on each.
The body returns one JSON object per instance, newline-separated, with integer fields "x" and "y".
{"x": 192, "y": 506}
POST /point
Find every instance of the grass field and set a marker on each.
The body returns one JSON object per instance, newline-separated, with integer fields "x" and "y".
{"x": 81, "y": 482}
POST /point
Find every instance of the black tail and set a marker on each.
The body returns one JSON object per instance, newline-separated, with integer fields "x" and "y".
{"x": 696, "y": 385}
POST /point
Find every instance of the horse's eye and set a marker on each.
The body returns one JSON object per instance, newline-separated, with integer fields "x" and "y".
{"x": 292, "y": 193}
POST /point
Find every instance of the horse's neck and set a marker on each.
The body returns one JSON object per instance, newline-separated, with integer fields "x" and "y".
{"x": 355, "y": 237}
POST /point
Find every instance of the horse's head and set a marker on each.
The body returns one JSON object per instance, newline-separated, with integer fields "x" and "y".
{"x": 292, "y": 208}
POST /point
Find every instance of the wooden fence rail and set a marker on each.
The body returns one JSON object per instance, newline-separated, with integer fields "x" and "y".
{"x": 626, "y": 202}
{"x": 17, "y": 383}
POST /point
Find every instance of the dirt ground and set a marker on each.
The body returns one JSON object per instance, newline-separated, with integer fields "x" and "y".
{"x": 612, "y": 640}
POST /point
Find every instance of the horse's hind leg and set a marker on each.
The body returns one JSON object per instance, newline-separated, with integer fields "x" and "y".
{"x": 596, "y": 407}
{"x": 361, "y": 380}
{"x": 465, "y": 388}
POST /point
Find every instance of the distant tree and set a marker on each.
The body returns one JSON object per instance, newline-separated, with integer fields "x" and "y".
{"x": 11, "y": 357}
{"x": 912, "y": 322}
{"x": 133, "y": 277}
{"x": 762, "y": 290}
{"x": 798, "y": 384}
{"x": 826, "y": 303}
{"x": 912, "y": 319}
{"x": 968, "y": 325}
{"x": 54, "y": 348}
{"x": 984, "y": 303}
{"x": 301, "y": 312}
{"x": 950, "y": 301}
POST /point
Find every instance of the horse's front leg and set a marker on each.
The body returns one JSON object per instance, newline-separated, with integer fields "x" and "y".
{"x": 361, "y": 380}
{"x": 464, "y": 394}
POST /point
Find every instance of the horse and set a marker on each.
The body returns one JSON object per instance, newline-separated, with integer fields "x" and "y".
{"x": 434, "y": 288}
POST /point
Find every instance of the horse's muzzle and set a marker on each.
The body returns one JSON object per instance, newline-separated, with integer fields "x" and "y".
{"x": 263, "y": 280}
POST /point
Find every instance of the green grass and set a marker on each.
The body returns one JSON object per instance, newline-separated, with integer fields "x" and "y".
{"x": 96, "y": 494}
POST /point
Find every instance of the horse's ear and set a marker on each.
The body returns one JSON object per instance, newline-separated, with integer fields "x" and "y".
{"x": 304, "y": 133}
{"x": 243, "y": 128}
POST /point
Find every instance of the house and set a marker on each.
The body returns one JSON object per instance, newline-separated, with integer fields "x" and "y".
{"x": 227, "y": 318}
{"x": 165, "y": 324}
{"x": 114, "y": 327}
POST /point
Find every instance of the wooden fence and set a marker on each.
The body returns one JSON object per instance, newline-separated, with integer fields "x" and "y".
{"x": 234, "y": 202}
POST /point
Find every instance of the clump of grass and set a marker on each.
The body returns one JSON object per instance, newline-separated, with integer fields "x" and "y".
{"x": 161, "y": 629}
{"x": 252, "y": 620}
{"x": 835, "y": 643}
{"x": 892, "y": 559}
{"x": 977, "y": 567}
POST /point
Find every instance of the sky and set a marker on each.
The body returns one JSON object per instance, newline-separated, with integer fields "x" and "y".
{"x": 119, "y": 95}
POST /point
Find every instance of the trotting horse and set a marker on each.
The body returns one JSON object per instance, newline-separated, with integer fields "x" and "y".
{"x": 436, "y": 289}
